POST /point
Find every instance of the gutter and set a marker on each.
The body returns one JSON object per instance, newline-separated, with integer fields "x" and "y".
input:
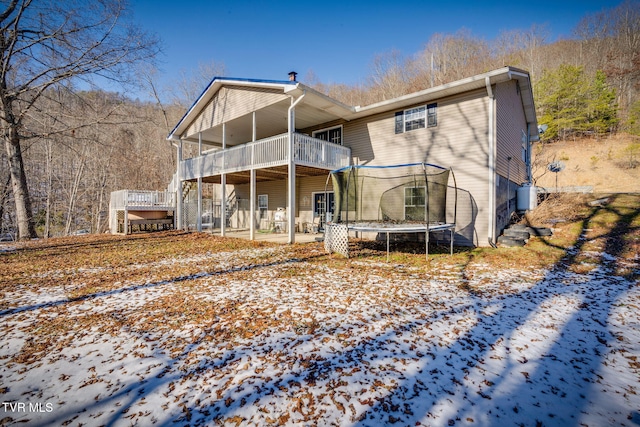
{"x": 296, "y": 102}
{"x": 491, "y": 231}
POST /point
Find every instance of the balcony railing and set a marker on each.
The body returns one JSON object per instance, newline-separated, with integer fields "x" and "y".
{"x": 269, "y": 152}
{"x": 143, "y": 199}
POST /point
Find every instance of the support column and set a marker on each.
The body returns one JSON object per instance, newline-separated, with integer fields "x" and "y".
{"x": 291, "y": 182}
{"x": 179, "y": 206}
{"x": 223, "y": 183}
{"x": 252, "y": 195}
{"x": 199, "y": 215}
{"x": 252, "y": 206}
{"x": 126, "y": 212}
{"x": 291, "y": 195}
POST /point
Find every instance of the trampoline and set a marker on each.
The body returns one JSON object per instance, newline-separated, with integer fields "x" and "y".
{"x": 394, "y": 199}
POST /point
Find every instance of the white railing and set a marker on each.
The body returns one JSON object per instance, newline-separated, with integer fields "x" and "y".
{"x": 142, "y": 199}
{"x": 269, "y": 152}
{"x": 316, "y": 152}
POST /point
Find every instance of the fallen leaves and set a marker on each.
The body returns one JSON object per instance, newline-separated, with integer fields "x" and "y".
{"x": 207, "y": 330}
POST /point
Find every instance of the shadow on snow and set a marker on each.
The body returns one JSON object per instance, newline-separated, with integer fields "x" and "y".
{"x": 477, "y": 379}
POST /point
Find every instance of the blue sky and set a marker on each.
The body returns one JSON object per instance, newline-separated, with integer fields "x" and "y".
{"x": 337, "y": 40}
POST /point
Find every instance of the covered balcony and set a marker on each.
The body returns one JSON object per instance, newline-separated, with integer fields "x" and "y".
{"x": 269, "y": 153}
{"x": 250, "y": 131}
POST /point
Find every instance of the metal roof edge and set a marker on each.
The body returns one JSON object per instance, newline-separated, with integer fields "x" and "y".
{"x": 349, "y": 112}
{"x": 432, "y": 92}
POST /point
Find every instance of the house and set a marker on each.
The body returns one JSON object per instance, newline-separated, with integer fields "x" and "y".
{"x": 271, "y": 144}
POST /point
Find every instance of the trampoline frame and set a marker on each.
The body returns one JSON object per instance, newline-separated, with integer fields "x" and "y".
{"x": 392, "y": 227}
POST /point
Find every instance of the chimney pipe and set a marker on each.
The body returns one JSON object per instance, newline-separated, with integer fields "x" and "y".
{"x": 292, "y": 76}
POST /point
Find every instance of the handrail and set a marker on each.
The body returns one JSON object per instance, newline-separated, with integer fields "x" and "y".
{"x": 264, "y": 153}
{"x": 142, "y": 199}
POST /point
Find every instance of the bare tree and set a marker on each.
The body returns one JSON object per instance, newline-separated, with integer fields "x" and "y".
{"x": 5, "y": 186}
{"x": 54, "y": 43}
{"x": 451, "y": 57}
{"x": 191, "y": 83}
{"x": 521, "y": 48}
{"x": 610, "y": 40}
{"x": 389, "y": 77}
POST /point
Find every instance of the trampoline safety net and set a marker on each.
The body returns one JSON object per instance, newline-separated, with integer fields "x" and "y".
{"x": 396, "y": 198}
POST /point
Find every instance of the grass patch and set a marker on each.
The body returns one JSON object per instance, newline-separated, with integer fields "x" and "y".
{"x": 86, "y": 265}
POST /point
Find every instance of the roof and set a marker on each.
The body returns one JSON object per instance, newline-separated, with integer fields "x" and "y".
{"x": 214, "y": 85}
{"x": 334, "y": 109}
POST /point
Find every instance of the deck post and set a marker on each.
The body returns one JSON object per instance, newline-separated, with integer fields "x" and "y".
{"x": 199, "y": 215}
{"x": 252, "y": 192}
{"x": 179, "y": 207}
{"x": 223, "y": 184}
{"x": 291, "y": 196}
{"x": 291, "y": 185}
{"x": 252, "y": 206}
{"x": 126, "y": 212}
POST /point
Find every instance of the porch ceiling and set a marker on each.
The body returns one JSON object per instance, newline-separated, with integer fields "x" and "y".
{"x": 270, "y": 174}
{"x": 269, "y": 121}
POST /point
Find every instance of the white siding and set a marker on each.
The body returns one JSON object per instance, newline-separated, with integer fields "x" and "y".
{"x": 459, "y": 141}
{"x": 277, "y": 192}
{"x": 511, "y": 123}
{"x": 230, "y": 103}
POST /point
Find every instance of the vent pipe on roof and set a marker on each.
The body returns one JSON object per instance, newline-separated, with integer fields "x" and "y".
{"x": 292, "y": 76}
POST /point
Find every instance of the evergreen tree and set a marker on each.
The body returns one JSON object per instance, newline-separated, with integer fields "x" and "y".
{"x": 570, "y": 103}
{"x": 602, "y": 108}
{"x": 561, "y": 100}
{"x": 633, "y": 121}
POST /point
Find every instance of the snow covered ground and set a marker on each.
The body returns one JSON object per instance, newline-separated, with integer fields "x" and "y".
{"x": 259, "y": 337}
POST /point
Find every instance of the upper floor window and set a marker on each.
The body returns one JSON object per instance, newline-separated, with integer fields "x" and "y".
{"x": 331, "y": 134}
{"x": 417, "y": 118}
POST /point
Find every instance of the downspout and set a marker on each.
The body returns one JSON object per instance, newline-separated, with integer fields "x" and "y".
{"x": 528, "y": 155}
{"x": 178, "y": 187}
{"x": 291, "y": 197}
{"x": 491, "y": 231}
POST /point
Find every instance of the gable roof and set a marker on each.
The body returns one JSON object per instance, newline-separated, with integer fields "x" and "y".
{"x": 322, "y": 108}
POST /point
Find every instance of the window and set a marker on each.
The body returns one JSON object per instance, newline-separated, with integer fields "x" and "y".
{"x": 333, "y": 135}
{"x": 414, "y": 203}
{"x": 432, "y": 115}
{"x": 417, "y": 118}
{"x": 414, "y": 118}
{"x": 263, "y": 205}
{"x": 320, "y": 202}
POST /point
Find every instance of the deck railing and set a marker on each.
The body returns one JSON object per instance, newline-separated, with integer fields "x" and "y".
{"x": 316, "y": 152}
{"x": 269, "y": 152}
{"x": 142, "y": 199}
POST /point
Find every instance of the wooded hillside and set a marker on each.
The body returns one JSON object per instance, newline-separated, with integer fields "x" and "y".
{"x": 79, "y": 145}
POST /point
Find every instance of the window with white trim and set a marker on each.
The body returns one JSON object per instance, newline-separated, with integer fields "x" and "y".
{"x": 417, "y": 118}
{"x": 414, "y": 203}
{"x": 333, "y": 135}
{"x": 263, "y": 205}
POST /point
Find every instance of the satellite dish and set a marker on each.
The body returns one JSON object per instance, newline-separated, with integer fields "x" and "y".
{"x": 543, "y": 128}
{"x": 556, "y": 167}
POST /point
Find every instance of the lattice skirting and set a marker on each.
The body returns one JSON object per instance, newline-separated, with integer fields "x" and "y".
{"x": 336, "y": 239}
